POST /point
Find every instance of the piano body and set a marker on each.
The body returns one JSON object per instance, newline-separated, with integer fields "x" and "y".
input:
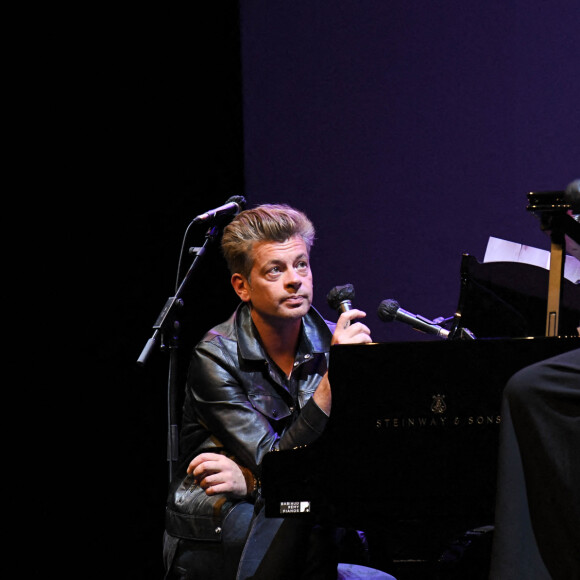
{"x": 412, "y": 435}
{"x": 410, "y": 450}
{"x": 411, "y": 443}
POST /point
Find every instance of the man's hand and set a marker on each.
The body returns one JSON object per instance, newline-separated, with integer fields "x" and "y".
{"x": 216, "y": 473}
{"x": 349, "y": 332}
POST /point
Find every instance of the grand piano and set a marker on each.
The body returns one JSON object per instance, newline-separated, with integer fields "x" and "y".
{"x": 409, "y": 453}
{"x": 410, "y": 450}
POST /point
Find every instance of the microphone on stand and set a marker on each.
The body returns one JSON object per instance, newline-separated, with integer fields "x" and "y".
{"x": 390, "y": 310}
{"x": 572, "y": 196}
{"x": 233, "y": 206}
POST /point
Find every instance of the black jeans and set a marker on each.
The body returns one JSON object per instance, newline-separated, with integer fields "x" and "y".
{"x": 288, "y": 549}
{"x": 201, "y": 560}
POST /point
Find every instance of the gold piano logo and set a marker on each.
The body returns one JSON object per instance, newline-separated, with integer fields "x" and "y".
{"x": 438, "y": 405}
{"x": 438, "y": 418}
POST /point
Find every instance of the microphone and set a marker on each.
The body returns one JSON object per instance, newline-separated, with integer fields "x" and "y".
{"x": 572, "y": 195}
{"x": 339, "y": 298}
{"x": 233, "y": 206}
{"x": 390, "y": 310}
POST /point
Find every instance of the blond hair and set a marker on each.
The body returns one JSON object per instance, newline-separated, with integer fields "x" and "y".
{"x": 264, "y": 223}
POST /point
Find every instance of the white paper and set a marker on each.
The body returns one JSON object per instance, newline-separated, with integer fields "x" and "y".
{"x": 499, "y": 250}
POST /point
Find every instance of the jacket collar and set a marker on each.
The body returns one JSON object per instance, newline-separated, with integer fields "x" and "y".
{"x": 315, "y": 335}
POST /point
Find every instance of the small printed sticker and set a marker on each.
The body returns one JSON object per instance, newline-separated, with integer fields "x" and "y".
{"x": 294, "y": 507}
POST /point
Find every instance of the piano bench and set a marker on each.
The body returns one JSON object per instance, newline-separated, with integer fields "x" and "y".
{"x": 356, "y": 572}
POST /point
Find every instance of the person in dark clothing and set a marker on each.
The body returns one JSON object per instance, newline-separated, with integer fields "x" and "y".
{"x": 537, "y": 522}
{"x": 256, "y": 383}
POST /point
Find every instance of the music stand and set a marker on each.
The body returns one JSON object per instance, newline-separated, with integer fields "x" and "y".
{"x": 508, "y": 300}
{"x": 552, "y": 208}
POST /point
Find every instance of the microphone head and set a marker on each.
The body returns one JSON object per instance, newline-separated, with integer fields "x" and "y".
{"x": 340, "y": 294}
{"x": 387, "y": 310}
{"x": 239, "y": 200}
{"x": 572, "y": 195}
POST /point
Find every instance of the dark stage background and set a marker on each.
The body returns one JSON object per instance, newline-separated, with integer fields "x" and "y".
{"x": 409, "y": 132}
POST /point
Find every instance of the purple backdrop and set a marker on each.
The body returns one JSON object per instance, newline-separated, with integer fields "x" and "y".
{"x": 410, "y": 133}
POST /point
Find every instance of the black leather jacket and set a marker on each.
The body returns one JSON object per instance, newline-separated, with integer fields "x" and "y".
{"x": 239, "y": 403}
{"x": 240, "y": 398}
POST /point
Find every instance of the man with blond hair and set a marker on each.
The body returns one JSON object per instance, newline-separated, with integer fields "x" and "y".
{"x": 257, "y": 383}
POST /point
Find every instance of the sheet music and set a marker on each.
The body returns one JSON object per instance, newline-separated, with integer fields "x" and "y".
{"x": 499, "y": 250}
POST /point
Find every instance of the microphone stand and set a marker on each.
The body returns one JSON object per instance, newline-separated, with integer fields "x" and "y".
{"x": 167, "y": 325}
